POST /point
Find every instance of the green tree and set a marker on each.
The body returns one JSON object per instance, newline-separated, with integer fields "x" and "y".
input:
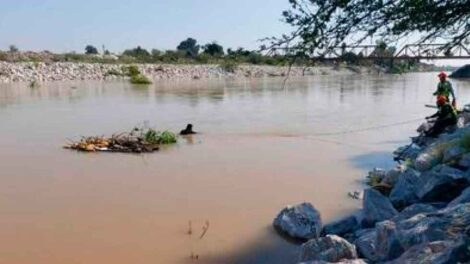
{"x": 13, "y": 48}
{"x": 189, "y": 46}
{"x": 321, "y": 25}
{"x": 89, "y": 49}
{"x": 138, "y": 53}
{"x": 213, "y": 49}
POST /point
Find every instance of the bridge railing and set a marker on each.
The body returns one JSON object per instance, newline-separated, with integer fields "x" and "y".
{"x": 407, "y": 52}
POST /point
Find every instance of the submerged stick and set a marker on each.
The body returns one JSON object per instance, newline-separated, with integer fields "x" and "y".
{"x": 204, "y": 230}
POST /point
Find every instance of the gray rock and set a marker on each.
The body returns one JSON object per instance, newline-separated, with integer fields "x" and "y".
{"x": 425, "y": 253}
{"x": 464, "y": 197}
{"x": 392, "y": 176}
{"x": 302, "y": 221}
{"x": 376, "y": 208}
{"x": 404, "y": 191}
{"x": 366, "y": 244}
{"x": 388, "y": 242}
{"x": 407, "y": 152}
{"x": 413, "y": 210}
{"x": 426, "y": 160}
{"x": 453, "y": 154}
{"x": 442, "y": 184}
{"x": 465, "y": 161}
{"x": 343, "y": 226}
{"x": 331, "y": 248}
{"x": 346, "y": 261}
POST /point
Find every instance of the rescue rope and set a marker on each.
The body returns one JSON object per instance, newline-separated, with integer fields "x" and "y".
{"x": 351, "y": 131}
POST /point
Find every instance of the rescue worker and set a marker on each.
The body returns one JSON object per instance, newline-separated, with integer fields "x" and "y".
{"x": 446, "y": 117}
{"x": 444, "y": 87}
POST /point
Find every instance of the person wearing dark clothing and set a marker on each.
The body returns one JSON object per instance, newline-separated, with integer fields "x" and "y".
{"x": 188, "y": 130}
{"x": 446, "y": 117}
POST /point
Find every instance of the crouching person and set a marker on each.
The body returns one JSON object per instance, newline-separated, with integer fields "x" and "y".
{"x": 446, "y": 116}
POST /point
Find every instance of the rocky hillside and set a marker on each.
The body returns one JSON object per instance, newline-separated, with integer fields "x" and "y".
{"x": 418, "y": 212}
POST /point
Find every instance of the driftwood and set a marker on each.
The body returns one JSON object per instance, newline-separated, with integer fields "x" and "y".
{"x": 136, "y": 141}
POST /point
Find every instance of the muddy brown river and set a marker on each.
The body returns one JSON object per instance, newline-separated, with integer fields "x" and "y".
{"x": 262, "y": 146}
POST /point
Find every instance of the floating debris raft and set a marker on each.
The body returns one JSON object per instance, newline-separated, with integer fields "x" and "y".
{"x": 137, "y": 141}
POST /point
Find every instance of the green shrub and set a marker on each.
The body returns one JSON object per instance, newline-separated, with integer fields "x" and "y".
{"x": 167, "y": 137}
{"x": 140, "y": 79}
{"x": 131, "y": 70}
{"x": 229, "y": 66}
{"x": 157, "y": 137}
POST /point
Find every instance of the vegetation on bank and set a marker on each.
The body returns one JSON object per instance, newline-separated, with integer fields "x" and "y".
{"x": 190, "y": 52}
{"x": 187, "y": 52}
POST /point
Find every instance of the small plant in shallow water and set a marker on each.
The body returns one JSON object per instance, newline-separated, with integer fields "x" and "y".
{"x": 131, "y": 70}
{"x": 140, "y": 79}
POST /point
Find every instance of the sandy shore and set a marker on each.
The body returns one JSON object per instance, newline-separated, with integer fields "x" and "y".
{"x": 70, "y": 71}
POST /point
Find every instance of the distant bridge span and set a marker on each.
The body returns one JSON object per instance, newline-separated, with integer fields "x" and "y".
{"x": 408, "y": 52}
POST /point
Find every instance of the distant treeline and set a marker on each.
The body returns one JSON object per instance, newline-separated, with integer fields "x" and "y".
{"x": 187, "y": 52}
{"x": 190, "y": 52}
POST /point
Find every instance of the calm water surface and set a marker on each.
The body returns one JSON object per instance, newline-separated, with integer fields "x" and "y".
{"x": 262, "y": 146}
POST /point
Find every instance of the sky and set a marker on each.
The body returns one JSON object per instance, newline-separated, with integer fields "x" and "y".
{"x": 69, "y": 25}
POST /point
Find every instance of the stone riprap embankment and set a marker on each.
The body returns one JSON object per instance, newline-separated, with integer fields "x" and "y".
{"x": 417, "y": 212}
{"x": 71, "y": 71}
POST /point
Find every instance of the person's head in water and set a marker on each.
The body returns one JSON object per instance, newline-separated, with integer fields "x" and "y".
{"x": 188, "y": 130}
{"x": 442, "y": 76}
{"x": 441, "y": 100}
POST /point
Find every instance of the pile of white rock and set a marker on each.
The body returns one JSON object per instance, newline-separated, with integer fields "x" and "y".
{"x": 72, "y": 71}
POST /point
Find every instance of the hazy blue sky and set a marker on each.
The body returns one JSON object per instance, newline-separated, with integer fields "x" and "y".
{"x": 66, "y": 25}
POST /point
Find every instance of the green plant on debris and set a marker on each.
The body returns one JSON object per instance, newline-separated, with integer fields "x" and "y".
{"x": 157, "y": 137}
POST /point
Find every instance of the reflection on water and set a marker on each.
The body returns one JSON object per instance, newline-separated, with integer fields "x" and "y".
{"x": 259, "y": 150}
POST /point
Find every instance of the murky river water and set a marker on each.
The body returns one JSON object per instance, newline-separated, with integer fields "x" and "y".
{"x": 261, "y": 147}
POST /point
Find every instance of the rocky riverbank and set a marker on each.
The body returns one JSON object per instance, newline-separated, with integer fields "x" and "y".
{"x": 418, "y": 212}
{"x": 71, "y": 71}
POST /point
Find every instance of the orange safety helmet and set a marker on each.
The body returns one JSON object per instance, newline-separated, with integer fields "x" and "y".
{"x": 442, "y": 75}
{"x": 441, "y": 100}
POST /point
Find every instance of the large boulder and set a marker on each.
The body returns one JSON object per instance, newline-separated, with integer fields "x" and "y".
{"x": 343, "y": 226}
{"x": 464, "y": 197}
{"x": 426, "y": 160}
{"x": 465, "y": 161}
{"x": 404, "y": 191}
{"x": 388, "y": 241}
{"x": 409, "y": 152}
{"x": 366, "y": 244}
{"x": 330, "y": 248}
{"x": 301, "y": 221}
{"x": 426, "y": 253}
{"x": 376, "y": 208}
{"x": 413, "y": 210}
{"x": 442, "y": 184}
{"x": 453, "y": 154}
{"x": 345, "y": 261}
